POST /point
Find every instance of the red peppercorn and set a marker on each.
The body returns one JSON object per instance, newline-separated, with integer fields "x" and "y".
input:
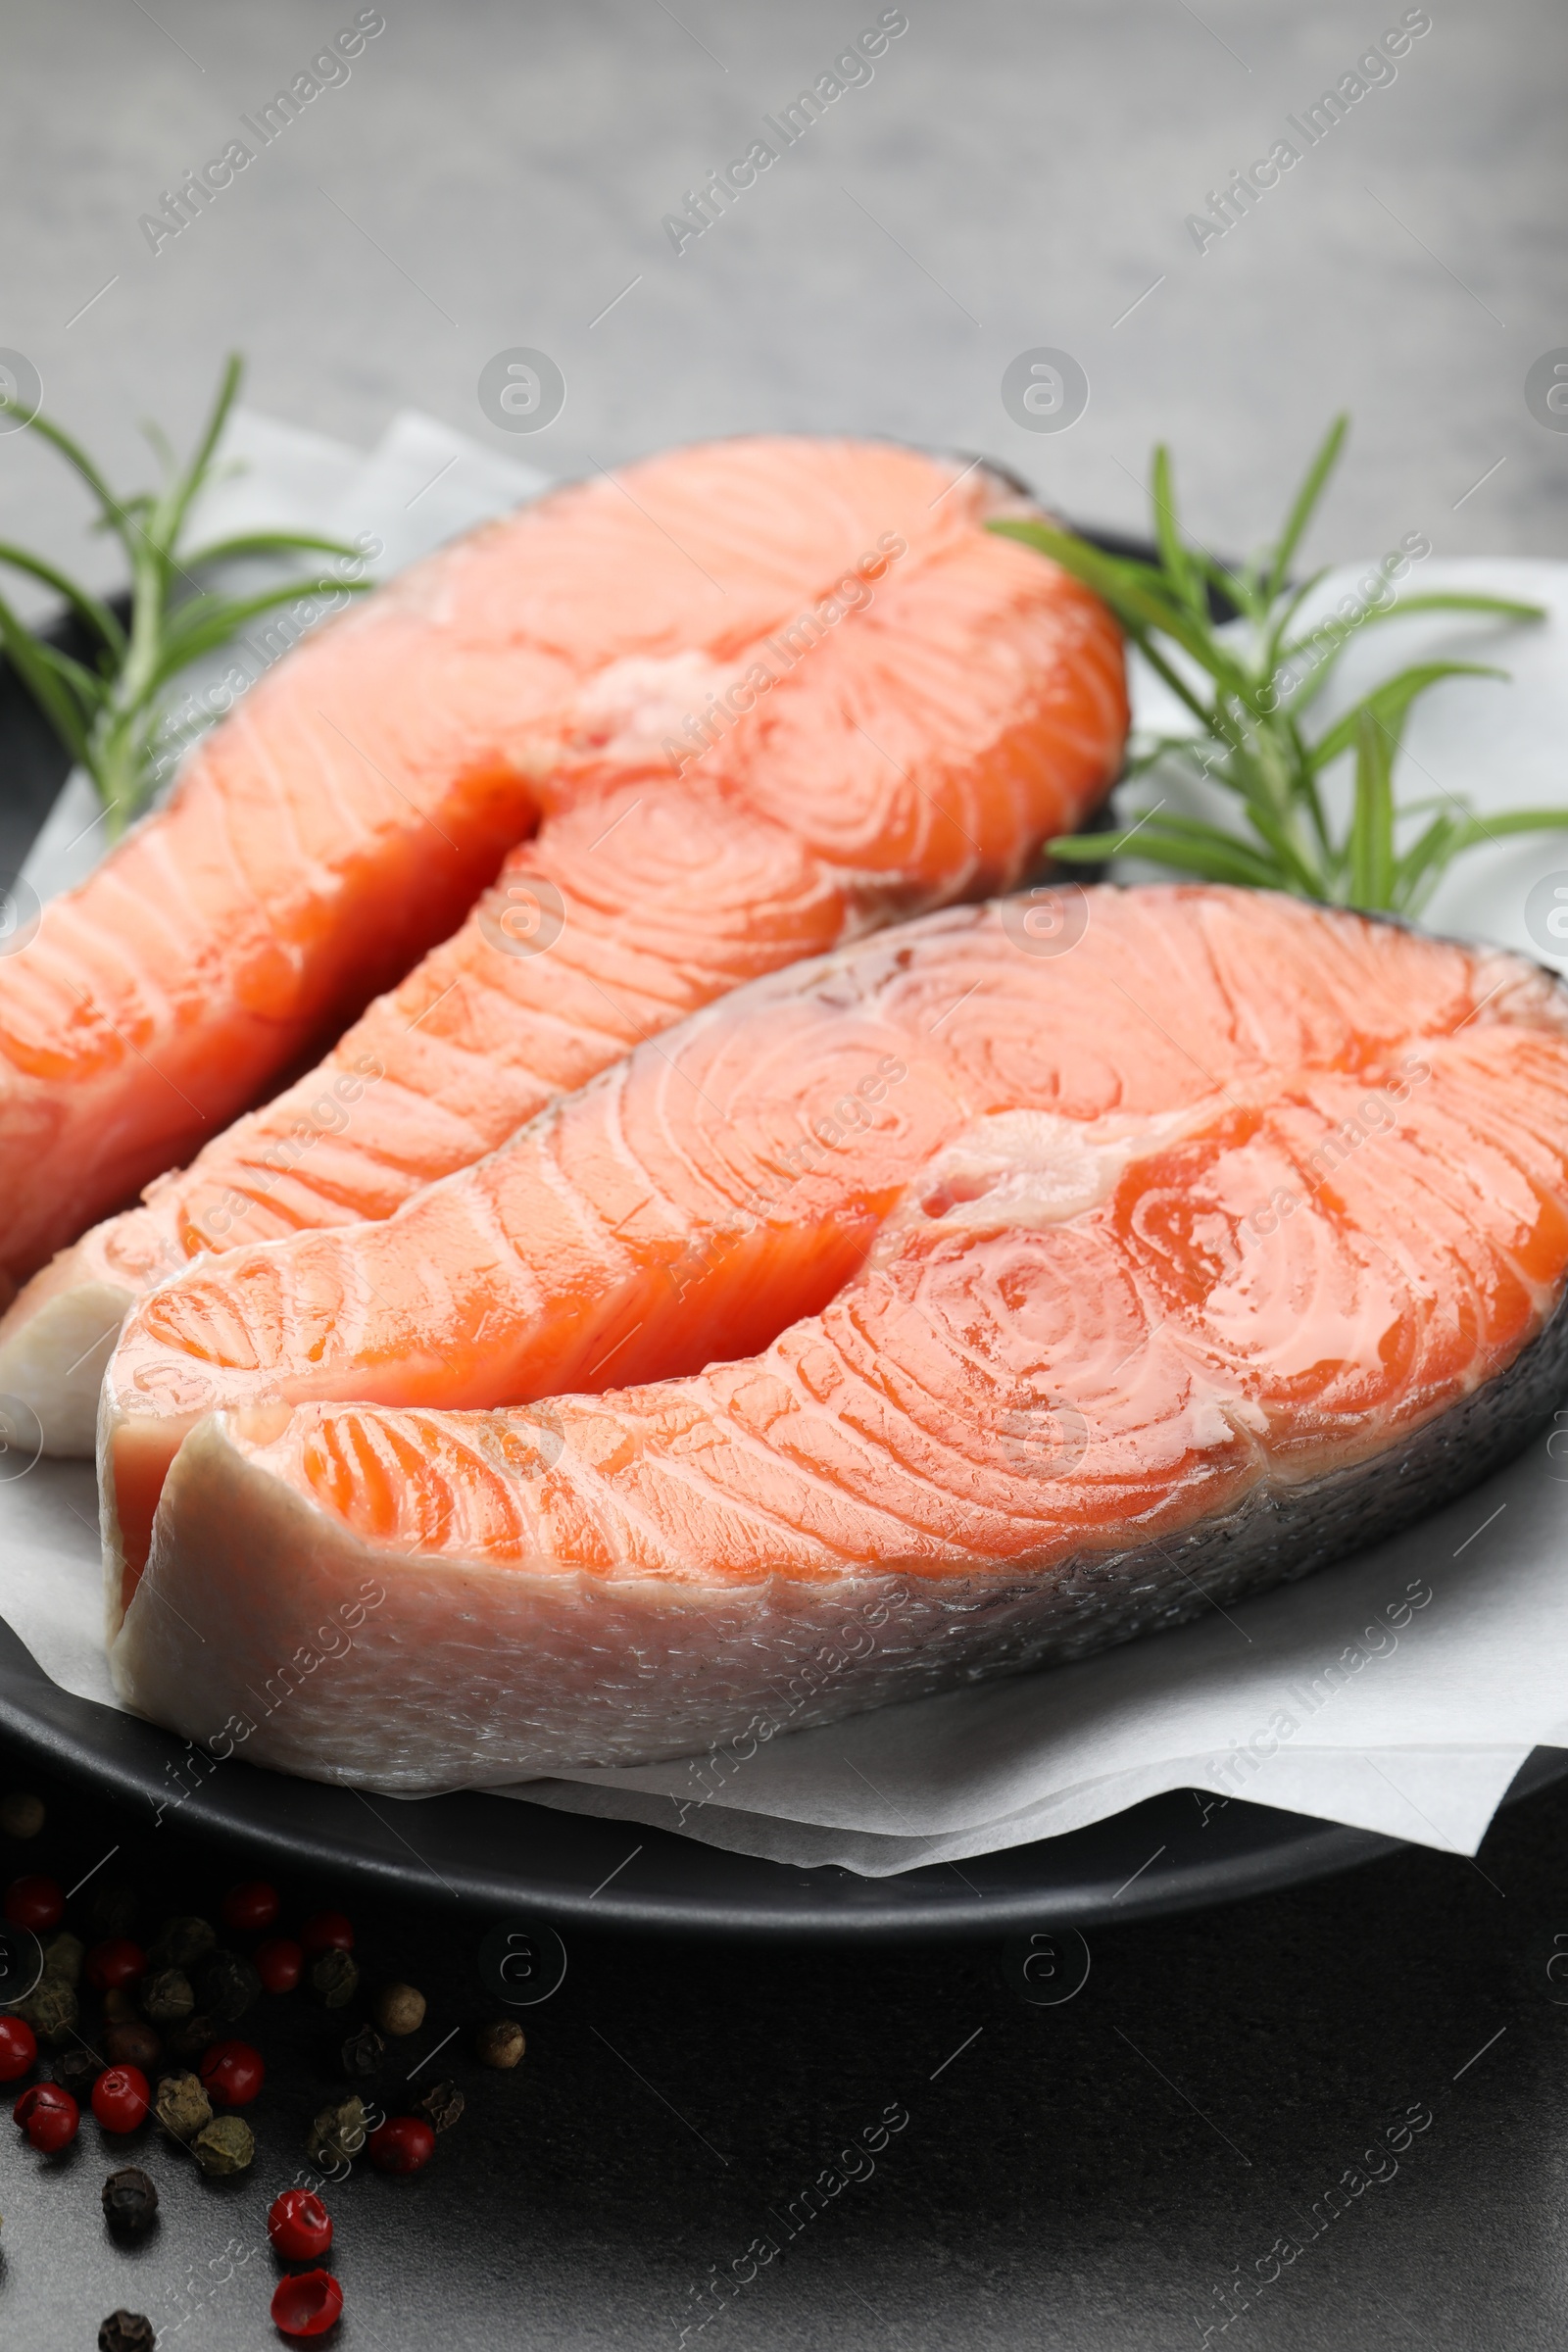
{"x": 279, "y": 1963}
{"x": 19, "y": 2048}
{"x": 308, "y": 2303}
{"x": 35, "y": 1903}
{"x": 232, "y": 2074}
{"x": 402, "y": 2145}
{"x": 251, "y": 1907}
{"x": 327, "y": 1931}
{"x": 48, "y": 2115}
{"x": 299, "y": 2226}
{"x": 115, "y": 1964}
{"x": 120, "y": 2098}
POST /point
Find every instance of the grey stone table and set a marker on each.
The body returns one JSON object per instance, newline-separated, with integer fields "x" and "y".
{"x": 1009, "y": 178}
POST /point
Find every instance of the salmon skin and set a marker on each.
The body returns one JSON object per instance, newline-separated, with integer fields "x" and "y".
{"x": 964, "y": 1316}
{"x": 947, "y": 704}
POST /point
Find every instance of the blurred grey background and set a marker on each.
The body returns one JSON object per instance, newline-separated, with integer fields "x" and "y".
{"x": 1017, "y": 174}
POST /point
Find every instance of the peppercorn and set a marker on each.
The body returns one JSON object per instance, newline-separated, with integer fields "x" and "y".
{"x": 182, "y": 1941}
{"x": 192, "y": 2035}
{"x": 227, "y": 1987}
{"x": 249, "y": 1908}
{"x": 299, "y": 2226}
{"x": 19, "y": 2049}
{"x": 363, "y": 2055}
{"x": 280, "y": 1962}
{"x": 131, "y": 2043}
{"x": 441, "y": 2106}
{"x": 51, "y": 2009}
{"x": 131, "y": 2201}
{"x": 116, "y": 1963}
{"x": 118, "y": 2007}
{"x": 120, "y": 2098}
{"x": 62, "y": 1956}
{"x": 112, "y": 1910}
{"x": 327, "y": 1931}
{"x": 224, "y": 2145}
{"x": 306, "y": 2303}
{"x": 48, "y": 2116}
{"x": 500, "y": 2044}
{"x": 166, "y": 1998}
{"x": 21, "y": 1815}
{"x": 400, "y": 2009}
{"x": 77, "y": 2070}
{"x": 232, "y": 2074}
{"x": 182, "y": 2107}
{"x": 402, "y": 2145}
{"x": 126, "y": 2331}
{"x": 338, "y": 2131}
{"x": 34, "y": 1902}
{"x": 335, "y": 1978}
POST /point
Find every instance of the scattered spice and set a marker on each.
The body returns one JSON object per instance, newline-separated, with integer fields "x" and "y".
{"x": 500, "y": 2044}
{"x": 191, "y": 2036}
{"x": 327, "y": 1931}
{"x": 363, "y": 2055}
{"x": 112, "y": 1910}
{"x": 441, "y": 2106}
{"x": 116, "y": 1963}
{"x": 404, "y": 2143}
{"x": 77, "y": 2070}
{"x": 131, "y": 2201}
{"x": 118, "y": 2007}
{"x": 400, "y": 2009}
{"x": 335, "y": 1977}
{"x": 62, "y": 1956}
{"x": 279, "y": 1963}
{"x": 184, "y": 1940}
{"x": 166, "y": 1998}
{"x": 307, "y": 2304}
{"x": 224, "y": 2145}
{"x": 227, "y": 1987}
{"x": 299, "y": 2226}
{"x": 19, "y": 2049}
{"x": 129, "y": 2042}
{"x": 34, "y": 1902}
{"x": 48, "y": 2115}
{"x": 21, "y": 1815}
{"x": 126, "y": 2331}
{"x": 250, "y": 1909}
{"x": 120, "y": 2098}
{"x": 51, "y": 2009}
{"x": 232, "y": 2074}
{"x": 338, "y": 2131}
{"x": 182, "y": 2107}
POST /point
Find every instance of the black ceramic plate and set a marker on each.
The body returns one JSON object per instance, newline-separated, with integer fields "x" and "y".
{"x": 524, "y": 1862}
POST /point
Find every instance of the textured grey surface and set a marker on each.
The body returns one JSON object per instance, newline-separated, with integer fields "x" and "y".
{"x": 1016, "y": 174}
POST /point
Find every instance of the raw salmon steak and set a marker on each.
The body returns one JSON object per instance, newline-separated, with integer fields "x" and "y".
{"x": 1017, "y": 1281}
{"x": 890, "y": 709}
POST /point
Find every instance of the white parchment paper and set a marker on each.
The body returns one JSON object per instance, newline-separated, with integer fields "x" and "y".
{"x": 1399, "y": 1691}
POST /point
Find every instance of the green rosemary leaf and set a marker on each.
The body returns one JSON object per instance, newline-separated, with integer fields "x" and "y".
{"x": 214, "y": 620}
{"x": 89, "y": 608}
{"x": 49, "y": 691}
{"x": 1389, "y": 704}
{"x": 1371, "y": 843}
{"x": 271, "y": 543}
{"x": 1303, "y": 507}
{"x": 1215, "y": 856}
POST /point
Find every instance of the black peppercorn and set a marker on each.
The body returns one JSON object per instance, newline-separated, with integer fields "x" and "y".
{"x": 112, "y": 1912}
{"x": 441, "y": 2106}
{"x": 77, "y": 2070}
{"x": 166, "y": 1998}
{"x": 126, "y": 2331}
{"x": 363, "y": 2055}
{"x": 131, "y": 2043}
{"x": 226, "y": 1988}
{"x": 131, "y": 2201}
{"x": 191, "y": 2036}
{"x": 335, "y": 1978}
{"x": 182, "y": 1942}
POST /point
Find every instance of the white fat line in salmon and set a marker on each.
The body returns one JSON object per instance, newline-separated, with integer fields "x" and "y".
{"x": 336, "y": 1640}
{"x": 192, "y": 716}
{"x": 1314, "y": 1693}
{"x": 1373, "y": 1116}
{"x": 184, "y": 204}
{"x": 1237, "y": 2294}
{"x": 713, "y": 2294}
{"x": 851, "y": 70}
{"x": 777, "y": 654}
{"x": 1375, "y": 70}
{"x": 328, "y": 1115}
{"x": 729, "y": 1755}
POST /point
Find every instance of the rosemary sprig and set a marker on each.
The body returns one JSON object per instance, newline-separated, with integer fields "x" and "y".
{"x": 109, "y": 712}
{"x": 1247, "y": 691}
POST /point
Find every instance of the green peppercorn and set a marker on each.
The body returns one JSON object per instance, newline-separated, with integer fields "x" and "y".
{"x": 224, "y": 2145}
{"x": 111, "y": 1911}
{"x": 225, "y": 1987}
{"x": 362, "y": 2055}
{"x": 131, "y": 2201}
{"x": 51, "y": 2009}
{"x": 500, "y": 2044}
{"x": 62, "y": 1956}
{"x": 338, "y": 2132}
{"x": 182, "y": 1941}
{"x": 182, "y": 2107}
{"x": 441, "y": 2106}
{"x": 166, "y": 1998}
{"x": 335, "y": 1978}
{"x": 126, "y": 2331}
{"x": 21, "y": 1815}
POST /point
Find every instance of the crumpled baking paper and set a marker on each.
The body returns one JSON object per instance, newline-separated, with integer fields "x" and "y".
{"x": 1399, "y": 1692}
